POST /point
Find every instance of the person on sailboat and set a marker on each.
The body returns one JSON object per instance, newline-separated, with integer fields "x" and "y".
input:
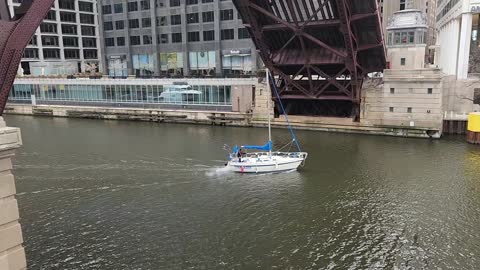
{"x": 240, "y": 155}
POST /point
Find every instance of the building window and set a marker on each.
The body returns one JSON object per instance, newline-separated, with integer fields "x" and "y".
{"x": 207, "y": 16}
{"x": 119, "y": 25}
{"x": 476, "y": 96}
{"x": 135, "y": 40}
{"x": 161, "y": 21}
{"x": 430, "y": 91}
{"x": 120, "y": 41}
{"x": 243, "y": 33}
{"x": 109, "y": 42}
{"x": 50, "y": 41}
{"x": 163, "y": 38}
{"x": 193, "y": 36}
{"x": 51, "y": 15}
{"x": 107, "y": 9}
{"x": 132, "y": 6}
{"x": 409, "y": 110}
{"x": 118, "y": 8}
{"x": 174, "y": 3}
{"x": 87, "y": 18}
{"x": 68, "y": 17}
{"x": 145, "y": 4}
{"x": 202, "y": 63}
{"x": 175, "y": 19}
{"x": 192, "y": 18}
{"x": 72, "y": 54}
{"x": 192, "y": 2}
{"x": 69, "y": 29}
{"x": 147, "y": 39}
{"x": 227, "y": 34}
{"x": 143, "y": 66}
{"x": 133, "y": 23}
{"x": 208, "y": 35}
{"x": 411, "y": 37}
{"x": 70, "y": 42}
{"x": 86, "y": 30}
{"x": 176, "y": 37}
{"x": 392, "y": 90}
{"x": 402, "y": 4}
{"x": 33, "y": 41}
{"x": 391, "y": 109}
{"x": 85, "y": 6}
{"x": 402, "y": 61}
{"x": 237, "y": 62}
{"x": 89, "y": 42}
{"x": 171, "y": 63}
{"x": 48, "y": 28}
{"x": 107, "y": 26}
{"x": 51, "y": 53}
{"x": 226, "y": 15}
{"x": 90, "y": 54}
{"x": 30, "y": 53}
{"x": 146, "y": 22}
{"x": 66, "y": 4}
{"x": 207, "y": 1}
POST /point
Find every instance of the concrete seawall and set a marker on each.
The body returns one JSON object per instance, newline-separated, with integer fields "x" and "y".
{"x": 134, "y": 114}
{"x": 328, "y": 124}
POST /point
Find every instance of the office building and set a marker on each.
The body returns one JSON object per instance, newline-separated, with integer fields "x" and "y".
{"x": 175, "y": 38}
{"x": 67, "y": 42}
{"x": 458, "y": 46}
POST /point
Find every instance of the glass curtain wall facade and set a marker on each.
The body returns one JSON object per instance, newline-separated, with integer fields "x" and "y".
{"x": 146, "y": 94}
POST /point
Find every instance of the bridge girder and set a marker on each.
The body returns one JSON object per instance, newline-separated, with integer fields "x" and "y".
{"x": 15, "y": 34}
{"x": 317, "y": 49}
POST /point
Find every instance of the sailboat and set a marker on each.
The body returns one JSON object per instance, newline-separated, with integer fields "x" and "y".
{"x": 265, "y": 160}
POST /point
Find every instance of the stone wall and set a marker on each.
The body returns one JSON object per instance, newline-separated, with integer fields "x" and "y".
{"x": 414, "y": 57}
{"x": 260, "y": 109}
{"x": 12, "y": 254}
{"x": 458, "y": 97}
{"x": 134, "y": 114}
{"x": 405, "y": 98}
{"x": 242, "y": 98}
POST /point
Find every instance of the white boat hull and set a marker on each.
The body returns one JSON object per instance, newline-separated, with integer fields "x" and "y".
{"x": 265, "y": 164}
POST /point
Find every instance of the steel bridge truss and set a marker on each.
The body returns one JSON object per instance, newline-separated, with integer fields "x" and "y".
{"x": 15, "y": 34}
{"x": 317, "y": 50}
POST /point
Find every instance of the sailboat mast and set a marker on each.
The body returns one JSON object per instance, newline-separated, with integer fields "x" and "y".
{"x": 269, "y": 97}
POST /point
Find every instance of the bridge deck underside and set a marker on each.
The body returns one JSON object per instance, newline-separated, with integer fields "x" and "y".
{"x": 317, "y": 49}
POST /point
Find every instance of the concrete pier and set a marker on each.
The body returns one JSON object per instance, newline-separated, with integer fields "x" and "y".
{"x": 12, "y": 253}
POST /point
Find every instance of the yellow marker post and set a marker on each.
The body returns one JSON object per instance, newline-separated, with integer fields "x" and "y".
{"x": 474, "y": 122}
{"x": 473, "y": 129}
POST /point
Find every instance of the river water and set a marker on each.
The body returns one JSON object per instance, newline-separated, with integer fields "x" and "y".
{"x": 130, "y": 195}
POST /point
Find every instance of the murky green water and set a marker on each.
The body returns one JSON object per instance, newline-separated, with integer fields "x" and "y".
{"x": 129, "y": 195}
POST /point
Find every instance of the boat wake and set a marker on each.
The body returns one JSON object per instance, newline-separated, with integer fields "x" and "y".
{"x": 219, "y": 171}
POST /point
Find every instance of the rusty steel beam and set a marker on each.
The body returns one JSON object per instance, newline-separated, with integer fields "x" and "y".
{"x": 15, "y": 34}
{"x": 296, "y": 30}
{"x": 330, "y": 97}
{"x": 317, "y": 49}
{"x": 319, "y": 24}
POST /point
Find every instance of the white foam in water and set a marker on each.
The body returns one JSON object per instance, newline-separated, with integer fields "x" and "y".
{"x": 217, "y": 171}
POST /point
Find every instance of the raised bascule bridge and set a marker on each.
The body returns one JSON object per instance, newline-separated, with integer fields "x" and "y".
{"x": 319, "y": 51}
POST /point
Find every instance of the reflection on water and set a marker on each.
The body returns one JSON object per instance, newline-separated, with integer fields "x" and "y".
{"x": 127, "y": 195}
